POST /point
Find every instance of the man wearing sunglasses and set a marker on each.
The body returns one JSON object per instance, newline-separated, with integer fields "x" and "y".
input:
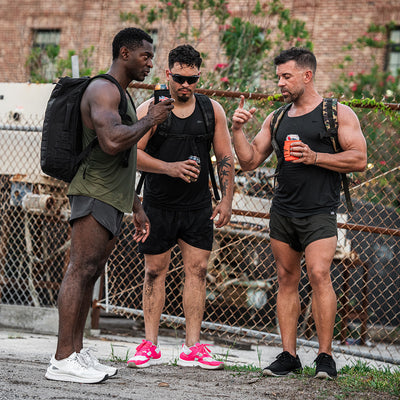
{"x": 177, "y": 201}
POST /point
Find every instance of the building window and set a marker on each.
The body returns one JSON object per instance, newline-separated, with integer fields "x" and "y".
{"x": 45, "y": 49}
{"x": 394, "y": 52}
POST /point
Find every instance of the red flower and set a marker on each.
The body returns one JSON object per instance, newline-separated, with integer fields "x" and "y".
{"x": 220, "y": 66}
{"x": 391, "y": 79}
{"x": 225, "y": 79}
{"x": 351, "y": 73}
{"x": 353, "y": 87}
{"x": 169, "y": 4}
{"x": 382, "y": 162}
{"x": 224, "y": 27}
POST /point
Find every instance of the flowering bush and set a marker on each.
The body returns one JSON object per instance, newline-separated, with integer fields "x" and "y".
{"x": 375, "y": 88}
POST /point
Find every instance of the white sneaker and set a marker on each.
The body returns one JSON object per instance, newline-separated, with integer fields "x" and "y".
{"x": 92, "y": 361}
{"x": 73, "y": 369}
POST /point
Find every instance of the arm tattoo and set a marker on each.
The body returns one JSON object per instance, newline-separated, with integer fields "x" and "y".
{"x": 223, "y": 167}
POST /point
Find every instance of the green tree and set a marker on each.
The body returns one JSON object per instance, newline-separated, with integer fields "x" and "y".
{"x": 243, "y": 43}
{"x": 46, "y": 65}
{"x": 381, "y": 126}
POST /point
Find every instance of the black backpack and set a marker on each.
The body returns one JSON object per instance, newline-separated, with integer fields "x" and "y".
{"x": 329, "y": 113}
{"x": 61, "y": 148}
{"x": 162, "y": 133}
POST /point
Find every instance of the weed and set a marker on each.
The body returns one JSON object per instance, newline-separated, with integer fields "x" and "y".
{"x": 116, "y": 358}
{"x": 15, "y": 337}
{"x": 245, "y": 368}
{"x": 360, "y": 376}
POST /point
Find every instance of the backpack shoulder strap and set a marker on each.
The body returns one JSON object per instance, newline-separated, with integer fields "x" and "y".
{"x": 329, "y": 113}
{"x": 275, "y": 121}
{"x": 207, "y": 110}
{"x": 123, "y": 105}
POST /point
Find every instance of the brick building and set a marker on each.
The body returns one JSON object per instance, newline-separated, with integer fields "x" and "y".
{"x": 79, "y": 24}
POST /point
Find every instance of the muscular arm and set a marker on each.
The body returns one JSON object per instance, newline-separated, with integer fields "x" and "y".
{"x": 225, "y": 166}
{"x": 250, "y": 155}
{"x": 100, "y": 112}
{"x": 352, "y": 141}
{"x": 223, "y": 153}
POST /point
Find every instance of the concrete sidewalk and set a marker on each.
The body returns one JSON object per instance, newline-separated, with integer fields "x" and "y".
{"x": 32, "y": 346}
{"x": 24, "y": 357}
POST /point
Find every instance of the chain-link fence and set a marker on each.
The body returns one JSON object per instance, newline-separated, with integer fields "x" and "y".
{"x": 241, "y": 279}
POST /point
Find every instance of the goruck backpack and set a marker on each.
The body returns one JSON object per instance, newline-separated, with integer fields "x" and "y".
{"x": 61, "y": 146}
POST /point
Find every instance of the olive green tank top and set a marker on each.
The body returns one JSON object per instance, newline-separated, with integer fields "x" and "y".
{"x": 103, "y": 176}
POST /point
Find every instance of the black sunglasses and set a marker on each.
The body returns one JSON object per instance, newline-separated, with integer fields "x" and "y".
{"x": 181, "y": 79}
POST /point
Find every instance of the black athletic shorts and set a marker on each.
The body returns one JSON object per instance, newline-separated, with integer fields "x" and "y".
{"x": 167, "y": 226}
{"x": 300, "y": 232}
{"x": 107, "y": 216}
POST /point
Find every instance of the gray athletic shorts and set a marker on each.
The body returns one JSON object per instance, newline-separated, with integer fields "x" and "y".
{"x": 107, "y": 216}
{"x": 298, "y": 233}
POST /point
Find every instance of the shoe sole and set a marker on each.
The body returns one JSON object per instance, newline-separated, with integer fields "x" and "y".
{"x": 73, "y": 378}
{"x": 150, "y": 363}
{"x": 324, "y": 375}
{"x": 268, "y": 372}
{"x": 110, "y": 375}
{"x": 183, "y": 363}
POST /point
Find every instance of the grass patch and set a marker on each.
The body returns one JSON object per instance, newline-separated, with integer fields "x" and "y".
{"x": 360, "y": 377}
{"x": 116, "y": 358}
{"x": 244, "y": 368}
{"x": 15, "y": 337}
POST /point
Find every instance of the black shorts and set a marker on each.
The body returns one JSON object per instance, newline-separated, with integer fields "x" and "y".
{"x": 167, "y": 226}
{"x": 107, "y": 216}
{"x": 300, "y": 232}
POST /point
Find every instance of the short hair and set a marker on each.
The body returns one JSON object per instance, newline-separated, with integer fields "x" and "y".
{"x": 184, "y": 54}
{"x": 303, "y": 58}
{"x": 130, "y": 38}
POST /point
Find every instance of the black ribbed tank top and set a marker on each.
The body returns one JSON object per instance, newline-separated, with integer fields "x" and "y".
{"x": 164, "y": 191}
{"x": 305, "y": 190}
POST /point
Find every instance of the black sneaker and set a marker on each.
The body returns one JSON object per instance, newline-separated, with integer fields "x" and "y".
{"x": 325, "y": 367}
{"x": 284, "y": 365}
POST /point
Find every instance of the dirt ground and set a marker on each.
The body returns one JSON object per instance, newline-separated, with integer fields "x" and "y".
{"x": 24, "y": 379}
{"x": 24, "y": 357}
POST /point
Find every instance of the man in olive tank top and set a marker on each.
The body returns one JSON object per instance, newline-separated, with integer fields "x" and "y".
{"x": 303, "y": 211}
{"x": 100, "y": 193}
{"x": 177, "y": 201}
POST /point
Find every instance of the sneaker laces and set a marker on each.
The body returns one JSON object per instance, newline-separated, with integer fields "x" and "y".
{"x": 88, "y": 356}
{"x": 81, "y": 360}
{"x": 203, "y": 349}
{"x": 284, "y": 356}
{"x": 323, "y": 359}
{"x": 144, "y": 347}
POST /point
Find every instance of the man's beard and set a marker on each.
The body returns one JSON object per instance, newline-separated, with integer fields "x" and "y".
{"x": 292, "y": 97}
{"x": 184, "y": 97}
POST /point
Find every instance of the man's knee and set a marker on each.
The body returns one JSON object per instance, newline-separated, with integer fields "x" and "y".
{"x": 319, "y": 277}
{"x": 196, "y": 271}
{"x": 86, "y": 268}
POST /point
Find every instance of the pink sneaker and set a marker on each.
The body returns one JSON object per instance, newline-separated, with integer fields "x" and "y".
{"x": 198, "y": 355}
{"x": 147, "y": 354}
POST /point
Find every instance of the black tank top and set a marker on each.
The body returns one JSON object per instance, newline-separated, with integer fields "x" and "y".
{"x": 305, "y": 190}
{"x": 164, "y": 191}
